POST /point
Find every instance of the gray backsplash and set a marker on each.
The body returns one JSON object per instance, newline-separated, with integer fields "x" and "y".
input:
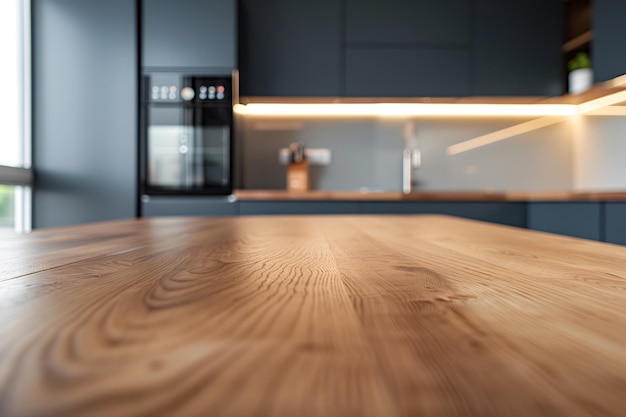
{"x": 600, "y": 153}
{"x": 367, "y": 152}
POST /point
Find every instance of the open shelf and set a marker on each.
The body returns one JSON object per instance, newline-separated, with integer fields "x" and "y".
{"x": 580, "y": 41}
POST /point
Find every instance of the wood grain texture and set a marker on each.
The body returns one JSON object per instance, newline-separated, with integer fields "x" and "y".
{"x": 310, "y": 316}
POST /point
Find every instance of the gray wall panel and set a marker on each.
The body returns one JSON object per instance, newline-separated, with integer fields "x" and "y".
{"x": 84, "y": 111}
{"x": 599, "y": 149}
{"x": 367, "y": 153}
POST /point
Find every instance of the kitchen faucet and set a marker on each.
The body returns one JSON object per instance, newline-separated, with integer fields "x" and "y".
{"x": 411, "y": 157}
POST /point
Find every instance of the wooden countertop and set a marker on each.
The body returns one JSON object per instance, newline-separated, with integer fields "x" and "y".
{"x": 310, "y": 316}
{"x": 428, "y": 196}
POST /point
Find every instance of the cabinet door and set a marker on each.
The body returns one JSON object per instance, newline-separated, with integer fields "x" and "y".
{"x": 408, "y": 22}
{"x": 297, "y": 207}
{"x": 517, "y": 47}
{"x": 615, "y": 223}
{"x": 406, "y": 72}
{"x": 290, "y": 48}
{"x": 511, "y": 214}
{"x": 189, "y": 33}
{"x": 188, "y": 206}
{"x": 571, "y": 219}
{"x": 406, "y": 48}
{"x": 609, "y": 32}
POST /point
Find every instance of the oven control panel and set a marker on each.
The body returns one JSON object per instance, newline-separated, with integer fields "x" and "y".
{"x": 173, "y": 88}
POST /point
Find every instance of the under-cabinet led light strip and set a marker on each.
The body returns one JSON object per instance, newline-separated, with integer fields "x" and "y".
{"x": 403, "y": 109}
{"x": 549, "y": 114}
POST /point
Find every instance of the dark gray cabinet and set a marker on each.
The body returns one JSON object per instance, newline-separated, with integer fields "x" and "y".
{"x": 189, "y": 33}
{"x": 407, "y": 72}
{"x": 517, "y": 47}
{"x": 408, "y": 22}
{"x": 602, "y": 221}
{"x": 297, "y": 207}
{"x": 578, "y": 219}
{"x": 609, "y": 32}
{"x": 615, "y": 223}
{"x": 404, "y": 48}
{"x": 507, "y": 213}
{"x": 386, "y": 48}
{"x": 290, "y": 48}
{"x": 189, "y": 206}
{"x": 84, "y": 111}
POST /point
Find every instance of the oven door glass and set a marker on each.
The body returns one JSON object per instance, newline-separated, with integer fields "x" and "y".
{"x": 188, "y": 149}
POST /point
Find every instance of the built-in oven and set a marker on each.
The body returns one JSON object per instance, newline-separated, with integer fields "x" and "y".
{"x": 186, "y": 134}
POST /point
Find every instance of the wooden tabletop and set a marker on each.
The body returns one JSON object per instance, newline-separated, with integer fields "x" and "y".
{"x": 310, "y": 316}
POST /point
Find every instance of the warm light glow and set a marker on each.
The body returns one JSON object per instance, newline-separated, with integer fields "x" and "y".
{"x": 549, "y": 113}
{"x": 616, "y": 82}
{"x": 603, "y": 106}
{"x": 503, "y": 134}
{"x": 403, "y": 109}
{"x": 608, "y": 111}
{"x": 601, "y": 102}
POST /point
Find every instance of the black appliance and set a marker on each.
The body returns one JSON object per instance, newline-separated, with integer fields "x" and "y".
{"x": 186, "y": 134}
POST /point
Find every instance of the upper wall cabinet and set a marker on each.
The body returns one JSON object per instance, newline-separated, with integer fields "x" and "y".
{"x": 609, "y": 32}
{"x": 407, "y": 72}
{"x": 290, "y": 48}
{"x": 397, "y": 48}
{"x": 189, "y": 33}
{"x": 408, "y": 22}
{"x": 401, "y": 48}
{"x": 406, "y": 48}
{"x": 517, "y": 47}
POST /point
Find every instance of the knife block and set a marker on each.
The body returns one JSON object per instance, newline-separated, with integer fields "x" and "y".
{"x": 298, "y": 176}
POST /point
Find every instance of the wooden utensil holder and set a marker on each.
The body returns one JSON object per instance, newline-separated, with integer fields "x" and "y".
{"x": 298, "y": 176}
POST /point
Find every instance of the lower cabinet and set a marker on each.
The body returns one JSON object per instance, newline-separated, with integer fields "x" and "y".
{"x": 577, "y": 219}
{"x": 603, "y": 221}
{"x": 512, "y": 214}
{"x": 188, "y": 206}
{"x": 298, "y": 207}
{"x": 615, "y": 223}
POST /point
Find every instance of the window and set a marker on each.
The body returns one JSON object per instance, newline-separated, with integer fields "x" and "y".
{"x": 7, "y": 205}
{"x": 15, "y": 138}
